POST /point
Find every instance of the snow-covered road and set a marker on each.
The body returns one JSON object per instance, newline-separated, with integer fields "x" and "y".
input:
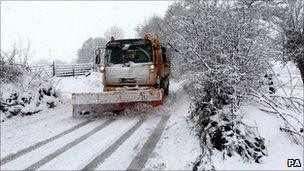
{"x": 54, "y": 140}
{"x": 87, "y": 144}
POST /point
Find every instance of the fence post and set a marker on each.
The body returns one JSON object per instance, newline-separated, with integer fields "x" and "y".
{"x": 54, "y": 72}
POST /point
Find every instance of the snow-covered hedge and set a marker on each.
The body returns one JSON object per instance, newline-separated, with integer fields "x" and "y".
{"x": 23, "y": 92}
{"x": 29, "y": 94}
{"x": 221, "y": 49}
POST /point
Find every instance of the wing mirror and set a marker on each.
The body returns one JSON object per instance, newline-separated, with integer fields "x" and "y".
{"x": 98, "y": 53}
{"x": 97, "y": 59}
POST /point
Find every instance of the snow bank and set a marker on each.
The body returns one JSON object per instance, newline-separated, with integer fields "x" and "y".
{"x": 30, "y": 94}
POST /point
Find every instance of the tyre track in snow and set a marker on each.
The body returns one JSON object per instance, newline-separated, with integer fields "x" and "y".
{"x": 106, "y": 153}
{"x": 142, "y": 157}
{"x": 21, "y": 152}
{"x": 68, "y": 146}
{"x": 137, "y": 163}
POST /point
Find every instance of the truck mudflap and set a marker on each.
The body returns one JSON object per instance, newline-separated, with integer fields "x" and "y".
{"x": 99, "y": 103}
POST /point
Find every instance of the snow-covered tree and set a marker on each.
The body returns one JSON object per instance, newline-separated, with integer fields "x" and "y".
{"x": 221, "y": 47}
{"x": 87, "y": 52}
{"x": 293, "y": 34}
{"x": 152, "y": 26}
{"x": 287, "y": 21}
{"x": 158, "y": 26}
{"x": 14, "y": 62}
{"x": 114, "y": 31}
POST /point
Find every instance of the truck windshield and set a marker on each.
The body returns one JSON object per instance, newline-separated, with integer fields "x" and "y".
{"x": 132, "y": 54}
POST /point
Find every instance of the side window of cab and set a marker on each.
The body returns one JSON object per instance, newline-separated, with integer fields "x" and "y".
{"x": 164, "y": 54}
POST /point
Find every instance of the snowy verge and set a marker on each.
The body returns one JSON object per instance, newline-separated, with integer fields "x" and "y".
{"x": 279, "y": 146}
{"x": 178, "y": 146}
{"x": 28, "y": 95}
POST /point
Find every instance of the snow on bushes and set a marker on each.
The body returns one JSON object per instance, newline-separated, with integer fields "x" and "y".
{"x": 226, "y": 133}
{"x": 28, "y": 95}
{"x": 23, "y": 92}
{"x": 286, "y": 107}
{"x": 221, "y": 47}
{"x": 218, "y": 122}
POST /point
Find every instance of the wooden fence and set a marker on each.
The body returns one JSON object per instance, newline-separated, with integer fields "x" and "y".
{"x": 63, "y": 70}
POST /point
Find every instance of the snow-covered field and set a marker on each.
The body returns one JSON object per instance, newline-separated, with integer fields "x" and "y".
{"x": 160, "y": 138}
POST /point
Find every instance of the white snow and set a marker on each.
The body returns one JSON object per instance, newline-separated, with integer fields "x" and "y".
{"x": 130, "y": 148}
{"x": 80, "y": 84}
{"x": 30, "y": 158}
{"x": 177, "y": 148}
{"x": 28, "y": 95}
{"x": 20, "y": 132}
{"x": 289, "y": 76}
{"x": 280, "y": 145}
{"x": 90, "y": 148}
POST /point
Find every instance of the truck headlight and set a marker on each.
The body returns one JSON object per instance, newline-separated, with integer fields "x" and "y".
{"x": 152, "y": 67}
{"x": 102, "y": 69}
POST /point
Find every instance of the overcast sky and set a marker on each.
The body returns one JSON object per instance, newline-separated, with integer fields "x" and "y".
{"x": 62, "y": 27}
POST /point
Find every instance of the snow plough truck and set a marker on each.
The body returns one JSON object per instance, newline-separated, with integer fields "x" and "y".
{"x": 134, "y": 71}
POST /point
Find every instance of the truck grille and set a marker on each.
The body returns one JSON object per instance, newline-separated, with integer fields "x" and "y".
{"x": 127, "y": 80}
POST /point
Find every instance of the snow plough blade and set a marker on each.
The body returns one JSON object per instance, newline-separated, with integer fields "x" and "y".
{"x": 98, "y": 103}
